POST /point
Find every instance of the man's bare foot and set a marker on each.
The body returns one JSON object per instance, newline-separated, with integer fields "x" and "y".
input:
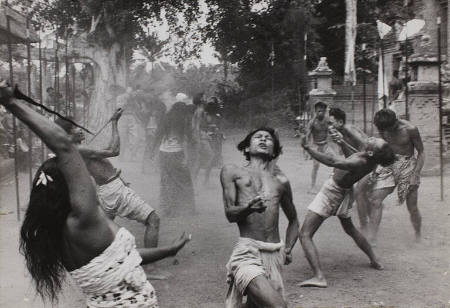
{"x": 314, "y": 282}
{"x": 376, "y": 265}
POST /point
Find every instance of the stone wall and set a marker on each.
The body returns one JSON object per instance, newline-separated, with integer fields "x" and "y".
{"x": 424, "y": 113}
{"x": 355, "y": 112}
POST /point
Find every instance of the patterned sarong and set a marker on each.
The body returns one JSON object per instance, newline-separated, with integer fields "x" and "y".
{"x": 115, "y": 278}
{"x": 398, "y": 174}
{"x": 250, "y": 259}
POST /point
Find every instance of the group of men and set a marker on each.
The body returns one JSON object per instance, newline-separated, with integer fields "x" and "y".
{"x": 369, "y": 169}
{"x": 115, "y": 195}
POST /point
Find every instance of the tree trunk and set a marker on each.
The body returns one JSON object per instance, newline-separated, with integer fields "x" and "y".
{"x": 350, "y": 40}
{"x": 109, "y": 71}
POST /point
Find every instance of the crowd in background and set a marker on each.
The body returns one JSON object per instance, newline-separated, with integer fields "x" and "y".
{"x": 184, "y": 135}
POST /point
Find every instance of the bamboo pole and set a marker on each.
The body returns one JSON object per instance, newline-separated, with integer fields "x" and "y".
{"x": 41, "y": 88}
{"x": 11, "y": 80}
{"x": 441, "y": 147}
{"x": 30, "y": 134}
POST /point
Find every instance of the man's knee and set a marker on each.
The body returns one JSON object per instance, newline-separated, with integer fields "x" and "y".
{"x": 153, "y": 219}
{"x": 348, "y": 226}
{"x": 305, "y": 235}
{"x": 375, "y": 202}
{"x": 261, "y": 292}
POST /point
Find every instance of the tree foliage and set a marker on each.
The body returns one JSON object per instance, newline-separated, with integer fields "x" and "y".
{"x": 245, "y": 36}
{"x": 331, "y": 30}
{"x": 127, "y": 22}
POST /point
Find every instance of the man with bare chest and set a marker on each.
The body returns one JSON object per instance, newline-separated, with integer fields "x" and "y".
{"x": 334, "y": 200}
{"x": 116, "y": 198}
{"x": 352, "y": 136}
{"x": 318, "y": 129}
{"x": 253, "y": 195}
{"x": 351, "y": 139}
{"x": 404, "y": 173}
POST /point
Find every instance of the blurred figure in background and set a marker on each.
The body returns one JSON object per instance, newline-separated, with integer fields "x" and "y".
{"x": 196, "y": 113}
{"x": 318, "y": 130}
{"x": 128, "y": 126}
{"x": 154, "y": 116}
{"x": 176, "y": 190}
{"x": 215, "y": 134}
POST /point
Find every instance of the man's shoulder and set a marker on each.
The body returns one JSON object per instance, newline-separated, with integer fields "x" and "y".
{"x": 408, "y": 126}
{"x": 230, "y": 169}
{"x": 280, "y": 175}
{"x": 353, "y": 129}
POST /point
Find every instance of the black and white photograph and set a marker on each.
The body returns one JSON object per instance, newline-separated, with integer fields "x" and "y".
{"x": 188, "y": 153}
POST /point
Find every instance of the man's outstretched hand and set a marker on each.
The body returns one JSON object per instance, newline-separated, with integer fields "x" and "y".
{"x": 304, "y": 142}
{"x": 180, "y": 242}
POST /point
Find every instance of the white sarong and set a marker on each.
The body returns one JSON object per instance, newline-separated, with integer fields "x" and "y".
{"x": 332, "y": 200}
{"x": 115, "y": 278}
{"x": 250, "y": 259}
{"x": 117, "y": 199}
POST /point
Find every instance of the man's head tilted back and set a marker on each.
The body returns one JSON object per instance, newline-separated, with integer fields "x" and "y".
{"x": 262, "y": 142}
{"x": 74, "y": 132}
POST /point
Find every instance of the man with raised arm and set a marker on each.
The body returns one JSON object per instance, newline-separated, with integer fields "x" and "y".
{"x": 351, "y": 139}
{"x": 318, "y": 130}
{"x": 253, "y": 195}
{"x": 333, "y": 200}
{"x": 64, "y": 231}
{"x": 116, "y": 198}
{"x": 404, "y": 173}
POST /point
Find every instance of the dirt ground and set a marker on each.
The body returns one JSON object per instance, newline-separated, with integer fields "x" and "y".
{"x": 415, "y": 275}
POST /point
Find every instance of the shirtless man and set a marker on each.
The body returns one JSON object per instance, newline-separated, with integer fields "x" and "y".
{"x": 318, "y": 129}
{"x": 333, "y": 200}
{"x": 404, "y": 173}
{"x": 351, "y": 139}
{"x": 352, "y": 136}
{"x": 116, "y": 198}
{"x": 253, "y": 195}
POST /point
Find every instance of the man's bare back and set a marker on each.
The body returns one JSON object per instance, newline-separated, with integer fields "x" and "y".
{"x": 250, "y": 184}
{"x": 346, "y": 178}
{"x": 97, "y": 162}
{"x": 353, "y": 135}
{"x": 100, "y": 169}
